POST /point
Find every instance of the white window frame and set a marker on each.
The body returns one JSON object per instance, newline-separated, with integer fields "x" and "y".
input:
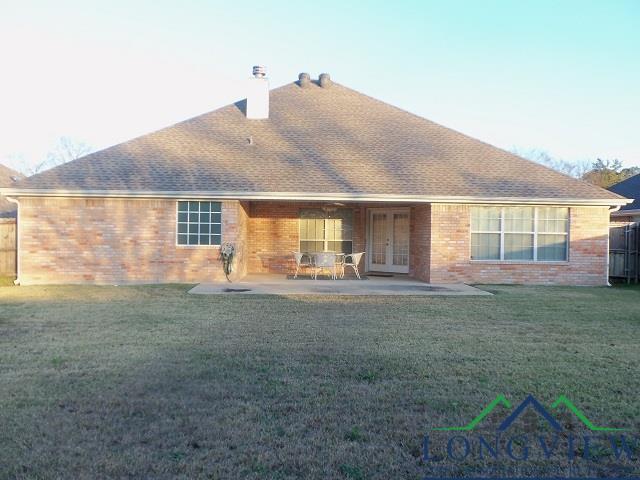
{"x": 535, "y": 234}
{"x": 180, "y": 245}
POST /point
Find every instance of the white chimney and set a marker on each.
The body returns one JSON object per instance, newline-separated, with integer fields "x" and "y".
{"x": 258, "y": 95}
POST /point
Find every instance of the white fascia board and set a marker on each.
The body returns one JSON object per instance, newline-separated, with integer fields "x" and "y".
{"x": 302, "y": 196}
{"x": 626, "y": 213}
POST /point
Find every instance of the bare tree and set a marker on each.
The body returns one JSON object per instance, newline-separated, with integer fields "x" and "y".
{"x": 573, "y": 169}
{"x": 602, "y": 172}
{"x": 65, "y": 150}
{"x": 16, "y": 161}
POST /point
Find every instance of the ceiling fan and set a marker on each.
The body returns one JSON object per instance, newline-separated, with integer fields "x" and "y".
{"x": 331, "y": 207}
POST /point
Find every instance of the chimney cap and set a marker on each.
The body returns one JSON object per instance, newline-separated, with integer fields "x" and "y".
{"x": 259, "y": 71}
{"x": 325, "y": 80}
{"x": 304, "y": 79}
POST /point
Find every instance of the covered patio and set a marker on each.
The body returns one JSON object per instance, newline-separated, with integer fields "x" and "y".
{"x": 391, "y": 238}
{"x": 276, "y": 284}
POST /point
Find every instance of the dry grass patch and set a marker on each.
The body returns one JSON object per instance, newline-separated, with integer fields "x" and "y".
{"x": 149, "y": 382}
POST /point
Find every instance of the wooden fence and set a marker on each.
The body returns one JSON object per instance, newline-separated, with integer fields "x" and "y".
{"x": 624, "y": 252}
{"x": 8, "y": 250}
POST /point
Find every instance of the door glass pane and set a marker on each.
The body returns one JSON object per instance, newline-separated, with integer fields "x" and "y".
{"x": 485, "y": 246}
{"x": 401, "y": 239}
{"x": 518, "y": 246}
{"x": 379, "y": 238}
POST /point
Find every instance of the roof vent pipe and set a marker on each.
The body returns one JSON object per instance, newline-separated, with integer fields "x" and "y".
{"x": 325, "y": 80}
{"x": 304, "y": 80}
{"x": 258, "y": 94}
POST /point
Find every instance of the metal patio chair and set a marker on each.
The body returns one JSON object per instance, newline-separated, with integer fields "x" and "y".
{"x": 303, "y": 260}
{"x": 352, "y": 260}
{"x": 324, "y": 261}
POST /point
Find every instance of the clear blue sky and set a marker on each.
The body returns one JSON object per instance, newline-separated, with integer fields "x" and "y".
{"x": 563, "y": 76}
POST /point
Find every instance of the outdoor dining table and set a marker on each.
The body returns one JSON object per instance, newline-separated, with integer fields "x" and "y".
{"x": 312, "y": 255}
{"x": 339, "y": 257}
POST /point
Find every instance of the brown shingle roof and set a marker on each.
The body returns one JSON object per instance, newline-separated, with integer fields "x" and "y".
{"x": 7, "y": 209}
{"x": 316, "y": 140}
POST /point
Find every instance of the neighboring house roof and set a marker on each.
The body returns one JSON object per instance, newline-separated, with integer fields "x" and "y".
{"x": 318, "y": 142}
{"x": 7, "y": 176}
{"x": 629, "y": 188}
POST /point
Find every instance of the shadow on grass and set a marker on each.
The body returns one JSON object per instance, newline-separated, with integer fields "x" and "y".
{"x": 153, "y": 382}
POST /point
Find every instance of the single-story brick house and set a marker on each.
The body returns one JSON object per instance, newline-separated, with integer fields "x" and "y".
{"x": 310, "y": 166}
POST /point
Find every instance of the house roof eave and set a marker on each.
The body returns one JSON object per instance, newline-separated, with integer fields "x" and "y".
{"x": 307, "y": 196}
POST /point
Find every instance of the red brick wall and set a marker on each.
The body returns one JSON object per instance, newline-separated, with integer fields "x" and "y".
{"x": 420, "y": 242}
{"x": 75, "y": 240}
{"x": 450, "y": 252}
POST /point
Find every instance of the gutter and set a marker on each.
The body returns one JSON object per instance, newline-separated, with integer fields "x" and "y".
{"x": 14, "y": 200}
{"x": 302, "y": 196}
{"x": 625, "y": 213}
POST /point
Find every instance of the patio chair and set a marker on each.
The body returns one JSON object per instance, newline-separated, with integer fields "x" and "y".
{"x": 303, "y": 260}
{"x": 339, "y": 265}
{"x": 352, "y": 260}
{"x": 324, "y": 261}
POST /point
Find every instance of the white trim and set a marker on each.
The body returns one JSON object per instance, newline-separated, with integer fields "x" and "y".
{"x": 389, "y": 267}
{"x": 626, "y": 213}
{"x": 302, "y": 196}
{"x": 502, "y": 234}
{"x": 521, "y": 262}
{"x": 535, "y": 233}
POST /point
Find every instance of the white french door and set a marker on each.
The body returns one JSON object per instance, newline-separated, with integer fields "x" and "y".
{"x": 388, "y": 240}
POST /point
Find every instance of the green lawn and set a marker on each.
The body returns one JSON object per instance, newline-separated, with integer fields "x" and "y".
{"x": 149, "y": 382}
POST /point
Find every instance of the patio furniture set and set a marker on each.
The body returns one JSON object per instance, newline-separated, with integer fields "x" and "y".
{"x": 335, "y": 263}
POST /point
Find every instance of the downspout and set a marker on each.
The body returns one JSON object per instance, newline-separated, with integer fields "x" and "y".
{"x": 13, "y": 200}
{"x": 611, "y": 210}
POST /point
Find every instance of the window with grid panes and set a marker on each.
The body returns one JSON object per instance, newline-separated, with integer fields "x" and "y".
{"x": 520, "y": 233}
{"x": 199, "y": 223}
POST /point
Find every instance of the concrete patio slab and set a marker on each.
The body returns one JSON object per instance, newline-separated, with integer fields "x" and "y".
{"x": 280, "y": 285}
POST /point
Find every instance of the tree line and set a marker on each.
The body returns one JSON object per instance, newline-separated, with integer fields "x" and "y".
{"x": 601, "y": 172}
